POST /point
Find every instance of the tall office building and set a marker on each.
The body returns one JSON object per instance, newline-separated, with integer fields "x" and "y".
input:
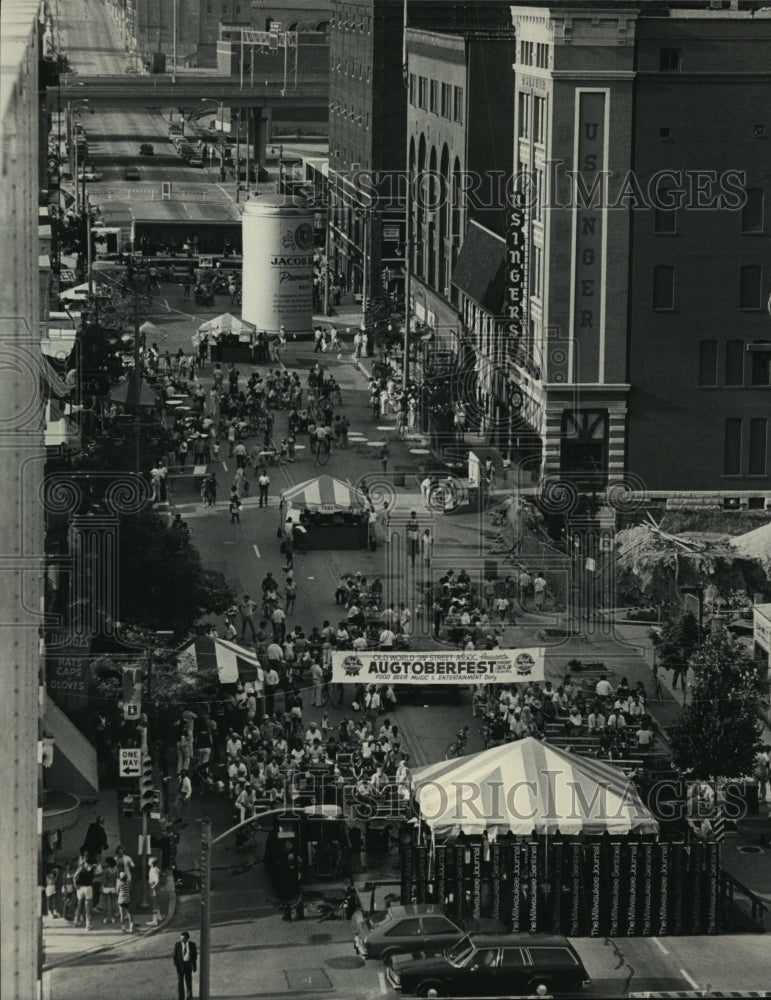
{"x": 22, "y": 454}
{"x": 368, "y": 124}
{"x": 641, "y": 140}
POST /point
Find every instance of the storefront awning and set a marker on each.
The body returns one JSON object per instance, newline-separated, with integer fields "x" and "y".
{"x": 481, "y": 268}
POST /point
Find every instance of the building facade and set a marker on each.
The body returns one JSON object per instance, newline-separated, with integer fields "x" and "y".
{"x": 459, "y": 136}
{"x": 22, "y": 454}
{"x": 643, "y": 325}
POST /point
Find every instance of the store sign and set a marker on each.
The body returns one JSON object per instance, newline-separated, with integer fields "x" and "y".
{"x": 497, "y": 666}
{"x": 515, "y": 265}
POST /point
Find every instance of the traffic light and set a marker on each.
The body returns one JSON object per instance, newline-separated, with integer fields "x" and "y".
{"x": 146, "y": 785}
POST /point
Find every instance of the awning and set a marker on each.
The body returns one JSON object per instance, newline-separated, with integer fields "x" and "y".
{"x": 525, "y": 786}
{"x": 74, "y": 764}
{"x": 60, "y": 428}
{"x": 325, "y": 491}
{"x": 481, "y": 268}
{"x": 58, "y": 344}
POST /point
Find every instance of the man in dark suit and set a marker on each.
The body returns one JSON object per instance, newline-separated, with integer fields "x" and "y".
{"x": 185, "y": 961}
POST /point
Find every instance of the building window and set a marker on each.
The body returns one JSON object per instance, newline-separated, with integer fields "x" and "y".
{"x": 669, "y": 59}
{"x": 433, "y": 98}
{"x": 422, "y": 92}
{"x": 446, "y": 100}
{"x": 732, "y": 450}
{"x": 665, "y": 221}
{"x": 665, "y": 132}
{"x": 542, "y": 55}
{"x": 538, "y": 197}
{"x": 663, "y": 287}
{"x": 758, "y": 439}
{"x": 457, "y": 105}
{"x": 750, "y": 287}
{"x": 524, "y": 115}
{"x": 708, "y": 362}
{"x": 536, "y": 271}
{"x": 526, "y": 53}
{"x": 760, "y": 371}
{"x": 412, "y": 89}
{"x": 539, "y": 120}
{"x": 752, "y": 213}
{"x": 734, "y": 362}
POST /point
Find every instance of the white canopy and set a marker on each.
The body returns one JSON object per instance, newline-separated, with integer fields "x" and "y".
{"x": 325, "y": 491}
{"x": 529, "y": 785}
{"x": 224, "y": 324}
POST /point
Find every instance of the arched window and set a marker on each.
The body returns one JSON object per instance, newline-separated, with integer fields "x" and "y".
{"x": 323, "y": 26}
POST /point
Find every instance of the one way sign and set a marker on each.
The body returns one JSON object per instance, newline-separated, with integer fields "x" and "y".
{"x": 130, "y": 762}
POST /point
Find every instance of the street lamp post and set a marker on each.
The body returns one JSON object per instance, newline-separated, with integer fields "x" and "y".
{"x": 221, "y": 107}
{"x": 407, "y": 294}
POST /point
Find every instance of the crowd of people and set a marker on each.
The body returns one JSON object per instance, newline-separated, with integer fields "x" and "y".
{"x": 616, "y": 719}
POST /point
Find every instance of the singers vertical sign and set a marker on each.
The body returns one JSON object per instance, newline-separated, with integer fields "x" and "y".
{"x": 516, "y": 270}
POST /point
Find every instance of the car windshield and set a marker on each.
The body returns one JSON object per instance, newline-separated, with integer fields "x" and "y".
{"x": 460, "y": 952}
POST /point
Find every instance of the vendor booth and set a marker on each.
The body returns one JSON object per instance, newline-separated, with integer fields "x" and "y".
{"x": 546, "y": 840}
{"x": 333, "y": 513}
{"x": 230, "y": 339}
{"x": 305, "y": 844}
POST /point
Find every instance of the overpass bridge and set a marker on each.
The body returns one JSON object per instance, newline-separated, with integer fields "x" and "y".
{"x": 270, "y": 95}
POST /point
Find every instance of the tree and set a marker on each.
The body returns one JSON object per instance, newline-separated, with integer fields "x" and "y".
{"x": 677, "y": 641}
{"x": 162, "y": 582}
{"x": 718, "y": 733}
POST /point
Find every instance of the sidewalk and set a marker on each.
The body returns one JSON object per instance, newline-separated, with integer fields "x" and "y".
{"x": 63, "y": 942}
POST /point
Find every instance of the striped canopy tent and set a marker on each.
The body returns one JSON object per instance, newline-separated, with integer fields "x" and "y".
{"x": 324, "y": 492}
{"x": 232, "y": 662}
{"x": 525, "y": 786}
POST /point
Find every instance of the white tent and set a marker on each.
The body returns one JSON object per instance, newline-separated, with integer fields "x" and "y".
{"x": 225, "y": 324}
{"x": 324, "y": 492}
{"x": 525, "y": 786}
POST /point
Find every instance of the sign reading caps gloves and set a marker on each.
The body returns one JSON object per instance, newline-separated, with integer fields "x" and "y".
{"x": 497, "y": 666}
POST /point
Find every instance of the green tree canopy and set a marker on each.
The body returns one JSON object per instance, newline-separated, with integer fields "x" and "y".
{"x": 677, "y": 641}
{"x": 162, "y": 582}
{"x": 718, "y": 733}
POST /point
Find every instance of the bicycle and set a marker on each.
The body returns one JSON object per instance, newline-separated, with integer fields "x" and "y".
{"x": 322, "y": 453}
{"x": 458, "y": 746}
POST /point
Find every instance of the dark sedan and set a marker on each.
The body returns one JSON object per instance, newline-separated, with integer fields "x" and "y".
{"x": 493, "y": 965}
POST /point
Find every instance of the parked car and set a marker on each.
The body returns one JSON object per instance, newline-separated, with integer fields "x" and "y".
{"x": 146, "y": 149}
{"x": 89, "y": 174}
{"x": 196, "y": 160}
{"x": 422, "y": 927}
{"x": 493, "y": 965}
{"x": 132, "y": 173}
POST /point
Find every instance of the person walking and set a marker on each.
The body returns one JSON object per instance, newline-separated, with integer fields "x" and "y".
{"x": 84, "y": 886}
{"x": 317, "y": 677}
{"x": 246, "y": 609}
{"x": 110, "y": 890}
{"x": 235, "y": 507}
{"x": 263, "y": 482}
{"x": 124, "y": 903}
{"x": 539, "y": 589}
{"x": 185, "y": 959}
{"x": 182, "y": 802}
{"x": 384, "y": 455}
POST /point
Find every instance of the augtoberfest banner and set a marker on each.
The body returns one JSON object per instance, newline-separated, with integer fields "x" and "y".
{"x": 497, "y": 666}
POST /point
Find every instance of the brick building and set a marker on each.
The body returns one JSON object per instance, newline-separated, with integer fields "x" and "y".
{"x": 460, "y": 134}
{"x": 645, "y": 347}
{"x": 368, "y": 124}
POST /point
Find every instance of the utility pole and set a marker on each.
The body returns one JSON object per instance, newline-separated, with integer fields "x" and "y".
{"x": 407, "y": 286}
{"x": 203, "y": 983}
{"x": 326, "y": 259}
{"x": 174, "y": 43}
{"x": 364, "y": 268}
{"x": 137, "y": 382}
{"x": 238, "y": 152}
{"x": 87, "y": 215}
